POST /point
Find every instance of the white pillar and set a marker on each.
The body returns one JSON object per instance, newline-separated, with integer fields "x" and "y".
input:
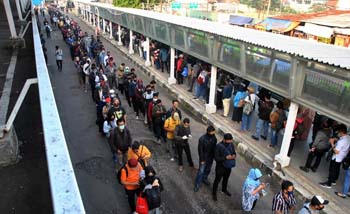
{"x": 19, "y": 11}
{"x": 172, "y": 79}
{"x": 148, "y": 61}
{"x": 98, "y": 22}
{"x": 282, "y": 157}
{"x": 23, "y": 6}
{"x": 103, "y": 26}
{"x": 211, "y": 107}
{"x": 131, "y": 45}
{"x": 120, "y": 35}
{"x": 93, "y": 19}
{"x": 89, "y": 17}
{"x": 110, "y": 30}
{"x": 10, "y": 18}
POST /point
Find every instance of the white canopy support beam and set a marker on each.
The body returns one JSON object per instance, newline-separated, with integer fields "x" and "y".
{"x": 10, "y": 19}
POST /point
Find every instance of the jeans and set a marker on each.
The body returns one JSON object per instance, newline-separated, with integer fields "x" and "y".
{"x": 122, "y": 158}
{"x": 346, "y": 185}
{"x": 184, "y": 146}
{"x": 221, "y": 172}
{"x": 164, "y": 65}
{"x": 203, "y": 172}
{"x": 59, "y": 64}
{"x": 261, "y": 125}
{"x": 246, "y": 122}
{"x": 200, "y": 91}
{"x": 334, "y": 170}
{"x": 274, "y": 137}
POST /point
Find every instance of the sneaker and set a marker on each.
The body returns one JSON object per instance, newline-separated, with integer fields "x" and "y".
{"x": 195, "y": 189}
{"x": 181, "y": 168}
{"x": 325, "y": 185}
{"x": 263, "y": 137}
{"x": 172, "y": 159}
{"x": 206, "y": 182}
{"x": 313, "y": 169}
{"x": 159, "y": 142}
{"x": 340, "y": 194}
{"x": 304, "y": 168}
{"x": 255, "y": 138}
{"x": 334, "y": 184}
{"x": 195, "y": 98}
{"x": 226, "y": 193}
{"x": 215, "y": 198}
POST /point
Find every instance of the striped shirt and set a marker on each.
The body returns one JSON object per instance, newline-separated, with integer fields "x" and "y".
{"x": 281, "y": 204}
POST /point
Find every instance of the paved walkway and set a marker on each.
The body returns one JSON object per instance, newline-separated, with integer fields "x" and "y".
{"x": 306, "y": 183}
{"x": 92, "y": 159}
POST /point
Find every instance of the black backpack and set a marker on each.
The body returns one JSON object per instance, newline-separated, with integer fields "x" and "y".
{"x": 119, "y": 174}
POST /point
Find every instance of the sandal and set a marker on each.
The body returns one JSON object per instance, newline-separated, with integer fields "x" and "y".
{"x": 340, "y": 194}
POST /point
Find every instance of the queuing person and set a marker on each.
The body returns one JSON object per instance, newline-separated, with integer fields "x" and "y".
{"x": 174, "y": 108}
{"x": 152, "y": 187}
{"x": 120, "y": 142}
{"x": 316, "y": 204}
{"x": 252, "y": 188}
{"x": 117, "y": 110}
{"x": 59, "y": 57}
{"x": 319, "y": 147}
{"x": 265, "y": 107}
{"x": 150, "y": 111}
{"x": 195, "y": 73}
{"x": 182, "y": 135}
{"x": 179, "y": 68}
{"x": 148, "y": 95}
{"x": 158, "y": 118}
{"x": 169, "y": 126}
{"x": 284, "y": 201}
{"x": 202, "y": 84}
{"x": 340, "y": 147}
{"x": 109, "y": 125}
{"x": 130, "y": 178}
{"x": 238, "y": 102}
{"x": 139, "y": 152}
{"x": 225, "y": 156}
{"x": 206, "y": 153}
{"x": 163, "y": 56}
{"x": 248, "y": 109}
{"x": 137, "y": 100}
{"x": 226, "y": 96}
{"x": 277, "y": 119}
{"x": 346, "y": 186}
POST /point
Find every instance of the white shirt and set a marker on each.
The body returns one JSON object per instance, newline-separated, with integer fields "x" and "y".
{"x": 306, "y": 208}
{"x": 59, "y": 54}
{"x": 108, "y": 127}
{"x": 252, "y": 98}
{"x": 145, "y": 46}
{"x": 343, "y": 146}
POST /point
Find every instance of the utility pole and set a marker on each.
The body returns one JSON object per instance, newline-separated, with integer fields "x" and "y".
{"x": 268, "y": 8}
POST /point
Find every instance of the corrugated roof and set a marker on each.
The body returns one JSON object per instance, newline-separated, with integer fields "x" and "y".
{"x": 329, "y": 54}
{"x": 341, "y": 20}
{"x": 306, "y": 16}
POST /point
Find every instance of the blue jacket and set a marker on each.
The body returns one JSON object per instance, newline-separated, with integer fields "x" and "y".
{"x": 227, "y": 92}
{"x": 132, "y": 89}
{"x": 240, "y": 95}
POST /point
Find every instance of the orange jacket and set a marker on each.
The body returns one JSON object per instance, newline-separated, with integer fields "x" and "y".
{"x": 133, "y": 177}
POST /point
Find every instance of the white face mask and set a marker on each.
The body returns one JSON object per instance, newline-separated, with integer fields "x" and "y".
{"x": 154, "y": 100}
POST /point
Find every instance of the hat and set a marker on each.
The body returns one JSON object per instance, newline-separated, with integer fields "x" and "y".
{"x": 132, "y": 162}
{"x": 318, "y": 200}
{"x": 156, "y": 94}
{"x": 251, "y": 89}
{"x": 108, "y": 100}
{"x": 158, "y": 101}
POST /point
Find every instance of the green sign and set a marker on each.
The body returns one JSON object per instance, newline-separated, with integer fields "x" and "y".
{"x": 175, "y": 5}
{"x": 193, "y": 5}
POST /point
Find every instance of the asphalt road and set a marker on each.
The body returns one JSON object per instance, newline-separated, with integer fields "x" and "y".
{"x": 92, "y": 159}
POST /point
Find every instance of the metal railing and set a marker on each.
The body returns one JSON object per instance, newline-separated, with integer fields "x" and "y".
{"x": 65, "y": 193}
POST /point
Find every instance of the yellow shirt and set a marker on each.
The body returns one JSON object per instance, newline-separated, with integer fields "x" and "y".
{"x": 169, "y": 126}
{"x": 142, "y": 153}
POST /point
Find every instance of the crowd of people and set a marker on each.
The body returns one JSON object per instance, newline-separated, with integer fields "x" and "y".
{"x": 98, "y": 72}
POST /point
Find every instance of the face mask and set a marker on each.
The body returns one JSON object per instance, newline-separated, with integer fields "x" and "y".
{"x": 122, "y": 127}
{"x": 154, "y": 100}
{"x": 320, "y": 208}
{"x": 290, "y": 193}
{"x": 149, "y": 91}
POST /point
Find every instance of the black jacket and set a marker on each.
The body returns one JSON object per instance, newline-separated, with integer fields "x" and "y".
{"x": 265, "y": 109}
{"x": 181, "y": 131}
{"x": 120, "y": 140}
{"x": 206, "y": 147}
{"x": 220, "y": 152}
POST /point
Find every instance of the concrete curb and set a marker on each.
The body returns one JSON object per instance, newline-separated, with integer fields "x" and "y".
{"x": 303, "y": 186}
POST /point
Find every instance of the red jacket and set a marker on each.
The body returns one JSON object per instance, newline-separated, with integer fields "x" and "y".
{"x": 179, "y": 65}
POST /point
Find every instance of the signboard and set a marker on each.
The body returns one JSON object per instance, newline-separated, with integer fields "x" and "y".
{"x": 193, "y": 5}
{"x": 37, "y": 2}
{"x": 176, "y": 5}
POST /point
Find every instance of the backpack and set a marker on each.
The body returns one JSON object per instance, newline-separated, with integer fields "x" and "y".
{"x": 346, "y": 162}
{"x": 185, "y": 72}
{"x": 299, "y": 129}
{"x": 119, "y": 174}
{"x": 280, "y": 121}
{"x": 248, "y": 106}
{"x": 200, "y": 79}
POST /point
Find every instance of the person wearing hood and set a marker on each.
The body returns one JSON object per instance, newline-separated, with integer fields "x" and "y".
{"x": 206, "y": 152}
{"x": 251, "y": 190}
{"x": 151, "y": 187}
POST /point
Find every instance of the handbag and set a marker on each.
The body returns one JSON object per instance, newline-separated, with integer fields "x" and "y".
{"x": 141, "y": 205}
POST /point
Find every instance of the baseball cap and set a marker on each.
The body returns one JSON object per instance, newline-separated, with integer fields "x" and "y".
{"x": 132, "y": 162}
{"x": 318, "y": 200}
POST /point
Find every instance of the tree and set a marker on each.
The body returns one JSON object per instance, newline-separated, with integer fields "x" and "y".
{"x": 133, "y": 3}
